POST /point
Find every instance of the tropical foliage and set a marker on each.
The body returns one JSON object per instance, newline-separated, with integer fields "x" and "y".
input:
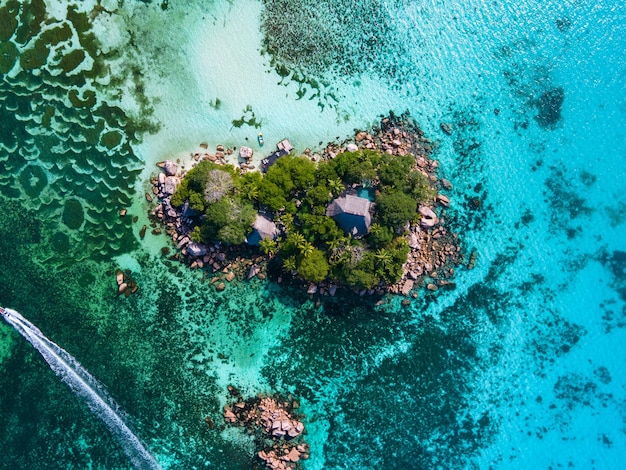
{"x": 295, "y": 193}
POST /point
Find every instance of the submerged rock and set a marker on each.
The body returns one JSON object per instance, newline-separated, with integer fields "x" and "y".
{"x": 445, "y": 127}
{"x": 443, "y": 200}
{"x": 277, "y": 430}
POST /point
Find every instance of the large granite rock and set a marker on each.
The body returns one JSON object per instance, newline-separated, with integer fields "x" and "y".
{"x": 414, "y": 242}
{"x": 170, "y": 184}
{"x": 170, "y": 168}
{"x": 429, "y": 218}
{"x": 254, "y": 270}
{"x": 195, "y": 249}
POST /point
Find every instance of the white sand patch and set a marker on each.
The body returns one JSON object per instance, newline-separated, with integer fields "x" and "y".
{"x": 200, "y": 57}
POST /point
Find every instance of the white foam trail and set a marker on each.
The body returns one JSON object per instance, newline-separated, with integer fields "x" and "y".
{"x": 87, "y": 387}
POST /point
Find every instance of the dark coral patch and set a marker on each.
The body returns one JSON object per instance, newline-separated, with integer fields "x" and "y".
{"x": 616, "y": 264}
{"x": 88, "y": 100}
{"x": 549, "y": 106}
{"x": 32, "y": 18}
{"x": 111, "y": 139}
{"x": 57, "y": 34}
{"x": 574, "y": 389}
{"x": 60, "y": 242}
{"x": 35, "y": 57}
{"x": 8, "y": 23}
{"x": 73, "y": 214}
{"x": 563, "y": 24}
{"x": 8, "y": 56}
{"x": 71, "y": 60}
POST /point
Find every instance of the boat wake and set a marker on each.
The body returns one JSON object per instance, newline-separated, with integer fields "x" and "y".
{"x": 85, "y": 386}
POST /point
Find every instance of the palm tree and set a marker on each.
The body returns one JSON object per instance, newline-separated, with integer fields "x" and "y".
{"x": 306, "y": 248}
{"x": 335, "y": 185}
{"x": 383, "y": 256}
{"x": 337, "y": 247}
{"x": 334, "y": 244}
{"x": 297, "y": 239}
{"x": 289, "y": 264}
{"x": 287, "y": 221}
{"x": 268, "y": 246}
{"x": 249, "y": 192}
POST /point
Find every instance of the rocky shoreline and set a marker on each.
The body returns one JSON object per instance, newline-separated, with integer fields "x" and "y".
{"x": 435, "y": 251}
{"x": 275, "y": 425}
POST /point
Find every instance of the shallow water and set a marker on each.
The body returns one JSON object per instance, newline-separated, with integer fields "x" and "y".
{"x": 521, "y": 366}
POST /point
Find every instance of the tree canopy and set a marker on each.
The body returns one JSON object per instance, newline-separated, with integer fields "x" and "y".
{"x": 395, "y": 208}
{"x": 295, "y": 194}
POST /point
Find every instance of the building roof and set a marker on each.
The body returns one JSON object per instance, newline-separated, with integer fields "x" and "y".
{"x": 352, "y": 213}
{"x": 285, "y": 145}
{"x": 262, "y": 228}
{"x": 349, "y": 204}
{"x": 265, "y": 226}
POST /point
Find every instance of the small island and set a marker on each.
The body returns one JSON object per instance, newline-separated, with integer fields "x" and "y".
{"x": 275, "y": 426}
{"x": 367, "y": 214}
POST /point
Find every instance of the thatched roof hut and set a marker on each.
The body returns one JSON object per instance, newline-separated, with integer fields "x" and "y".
{"x": 352, "y": 213}
{"x": 285, "y": 146}
{"x": 262, "y": 228}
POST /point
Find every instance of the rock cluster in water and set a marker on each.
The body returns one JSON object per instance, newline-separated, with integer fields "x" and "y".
{"x": 435, "y": 250}
{"x": 126, "y": 285}
{"x": 278, "y": 431}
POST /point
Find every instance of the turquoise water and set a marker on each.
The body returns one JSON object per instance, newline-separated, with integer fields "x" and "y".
{"x": 520, "y": 367}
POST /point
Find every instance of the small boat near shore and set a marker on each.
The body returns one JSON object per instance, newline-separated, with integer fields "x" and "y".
{"x": 261, "y": 141}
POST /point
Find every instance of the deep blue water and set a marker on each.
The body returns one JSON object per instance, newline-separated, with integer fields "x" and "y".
{"x": 521, "y": 366}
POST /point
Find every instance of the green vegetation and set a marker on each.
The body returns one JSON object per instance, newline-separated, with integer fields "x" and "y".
{"x": 212, "y": 189}
{"x": 295, "y": 193}
{"x": 395, "y": 208}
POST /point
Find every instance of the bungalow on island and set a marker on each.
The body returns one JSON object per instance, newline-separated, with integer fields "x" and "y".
{"x": 284, "y": 147}
{"x": 352, "y": 213}
{"x": 262, "y": 228}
